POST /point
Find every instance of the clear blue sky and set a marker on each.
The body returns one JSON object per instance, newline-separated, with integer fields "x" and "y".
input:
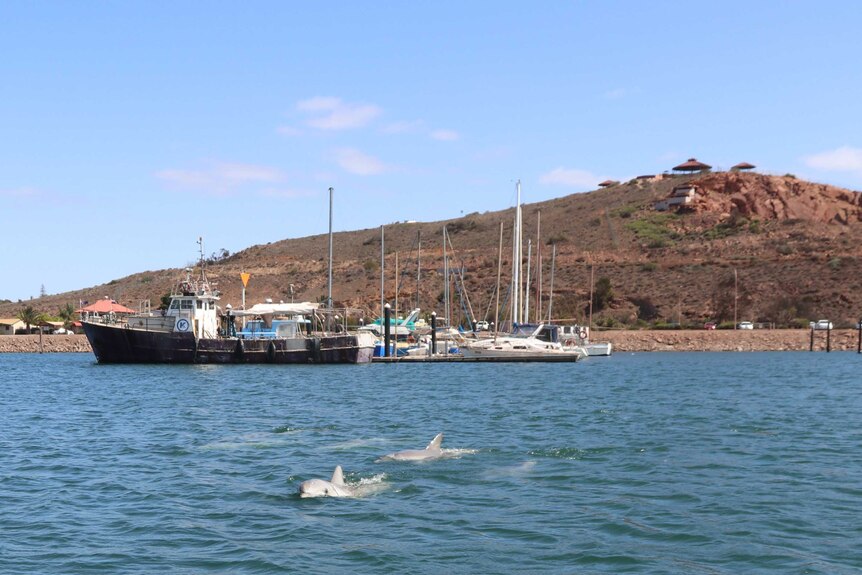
{"x": 128, "y": 129}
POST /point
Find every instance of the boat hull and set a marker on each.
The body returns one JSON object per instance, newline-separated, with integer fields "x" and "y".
{"x": 477, "y": 353}
{"x": 118, "y": 344}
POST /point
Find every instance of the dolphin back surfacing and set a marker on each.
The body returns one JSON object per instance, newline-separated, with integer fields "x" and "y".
{"x": 433, "y": 451}
{"x": 335, "y": 487}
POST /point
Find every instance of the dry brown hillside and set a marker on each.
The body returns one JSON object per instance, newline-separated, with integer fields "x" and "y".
{"x": 793, "y": 246}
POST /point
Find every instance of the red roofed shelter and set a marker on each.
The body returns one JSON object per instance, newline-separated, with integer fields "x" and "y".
{"x": 105, "y": 306}
{"x": 691, "y": 165}
{"x": 742, "y": 166}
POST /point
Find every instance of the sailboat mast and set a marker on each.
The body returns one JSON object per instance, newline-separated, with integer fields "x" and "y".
{"x": 516, "y": 262}
{"x": 499, "y": 270}
{"x": 382, "y": 271}
{"x": 418, "y": 265}
{"x": 396, "y": 293}
{"x": 551, "y": 296}
{"x": 527, "y": 283}
{"x": 446, "y": 278}
{"x": 329, "y": 283}
{"x": 539, "y": 265}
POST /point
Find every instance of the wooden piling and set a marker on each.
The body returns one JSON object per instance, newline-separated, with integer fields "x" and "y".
{"x": 387, "y": 315}
{"x": 433, "y": 333}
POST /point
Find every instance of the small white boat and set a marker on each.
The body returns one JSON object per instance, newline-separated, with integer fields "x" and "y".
{"x": 579, "y": 335}
{"x": 540, "y": 343}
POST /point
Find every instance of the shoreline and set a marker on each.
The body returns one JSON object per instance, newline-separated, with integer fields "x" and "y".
{"x": 624, "y": 341}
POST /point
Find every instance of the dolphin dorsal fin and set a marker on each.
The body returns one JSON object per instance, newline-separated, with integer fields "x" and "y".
{"x": 337, "y": 476}
{"x": 435, "y": 443}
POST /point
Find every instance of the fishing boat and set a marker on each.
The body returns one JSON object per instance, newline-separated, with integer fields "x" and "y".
{"x": 194, "y": 329}
{"x": 527, "y": 342}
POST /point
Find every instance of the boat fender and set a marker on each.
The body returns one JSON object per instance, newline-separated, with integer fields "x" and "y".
{"x": 240, "y": 347}
{"x": 583, "y": 333}
{"x": 270, "y": 352}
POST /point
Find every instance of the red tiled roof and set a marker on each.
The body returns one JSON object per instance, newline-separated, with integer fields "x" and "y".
{"x": 692, "y": 165}
{"x": 105, "y": 306}
{"x": 743, "y": 166}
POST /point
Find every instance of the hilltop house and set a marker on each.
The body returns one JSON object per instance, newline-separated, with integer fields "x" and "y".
{"x": 682, "y": 195}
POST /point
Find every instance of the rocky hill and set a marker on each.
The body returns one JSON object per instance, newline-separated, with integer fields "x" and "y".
{"x": 784, "y": 250}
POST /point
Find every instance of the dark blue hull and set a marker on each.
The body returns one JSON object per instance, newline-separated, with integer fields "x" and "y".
{"x": 115, "y": 344}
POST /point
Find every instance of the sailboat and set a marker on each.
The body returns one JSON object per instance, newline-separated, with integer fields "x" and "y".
{"x": 525, "y": 342}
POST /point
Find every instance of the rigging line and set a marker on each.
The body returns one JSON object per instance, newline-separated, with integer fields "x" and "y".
{"x": 399, "y": 281}
{"x": 460, "y": 271}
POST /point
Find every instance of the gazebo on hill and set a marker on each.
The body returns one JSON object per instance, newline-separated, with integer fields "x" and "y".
{"x": 742, "y": 166}
{"x": 608, "y": 183}
{"x": 692, "y": 165}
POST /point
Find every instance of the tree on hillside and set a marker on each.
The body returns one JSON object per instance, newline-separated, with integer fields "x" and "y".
{"x": 67, "y": 314}
{"x": 731, "y": 297}
{"x": 29, "y": 316}
{"x": 165, "y": 301}
{"x": 603, "y": 294}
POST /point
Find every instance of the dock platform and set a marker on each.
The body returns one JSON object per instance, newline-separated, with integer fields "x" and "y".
{"x": 454, "y": 358}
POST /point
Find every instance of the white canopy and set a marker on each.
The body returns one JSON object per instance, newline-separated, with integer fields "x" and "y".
{"x": 302, "y": 308}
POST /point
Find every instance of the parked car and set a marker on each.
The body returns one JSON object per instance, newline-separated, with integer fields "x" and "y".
{"x": 820, "y": 324}
{"x": 745, "y": 325}
{"x": 710, "y": 325}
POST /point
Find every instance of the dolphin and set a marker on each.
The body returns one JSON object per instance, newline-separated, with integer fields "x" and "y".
{"x": 433, "y": 451}
{"x": 335, "y": 487}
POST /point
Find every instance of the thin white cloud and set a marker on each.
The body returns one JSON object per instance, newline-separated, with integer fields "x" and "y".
{"x": 288, "y": 131}
{"x": 221, "y": 178}
{"x": 572, "y": 178}
{"x": 334, "y": 114}
{"x": 285, "y": 193}
{"x": 359, "y": 163}
{"x": 445, "y": 135}
{"x": 404, "y": 127}
{"x": 843, "y": 159}
{"x": 615, "y": 94}
{"x": 18, "y": 192}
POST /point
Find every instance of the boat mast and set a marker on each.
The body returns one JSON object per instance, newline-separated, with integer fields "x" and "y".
{"x": 382, "y": 270}
{"x": 527, "y": 284}
{"x": 418, "y": 265}
{"x": 499, "y": 270}
{"x": 329, "y": 292}
{"x": 516, "y": 261}
{"x": 539, "y": 265}
{"x": 396, "y": 293}
{"x": 551, "y": 295}
{"x": 446, "y": 279}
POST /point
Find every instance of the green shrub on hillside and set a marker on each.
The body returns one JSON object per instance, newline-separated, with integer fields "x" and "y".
{"x": 625, "y": 211}
{"x": 654, "y": 229}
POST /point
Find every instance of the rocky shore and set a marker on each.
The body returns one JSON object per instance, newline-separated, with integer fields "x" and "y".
{"x": 623, "y": 340}
{"x": 50, "y": 344}
{"x": 727, "y": 340}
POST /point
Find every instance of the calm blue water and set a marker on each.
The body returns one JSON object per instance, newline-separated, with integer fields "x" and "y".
{"x": 644, "y": 463}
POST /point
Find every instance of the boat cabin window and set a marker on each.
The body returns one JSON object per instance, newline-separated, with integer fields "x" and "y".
{"x": 187, "y": 304}
{"x": 175, "y": 304}
{"x": 200, "y": 304}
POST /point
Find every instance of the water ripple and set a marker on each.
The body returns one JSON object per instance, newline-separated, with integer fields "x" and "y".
{"x": 644, "y": 463}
